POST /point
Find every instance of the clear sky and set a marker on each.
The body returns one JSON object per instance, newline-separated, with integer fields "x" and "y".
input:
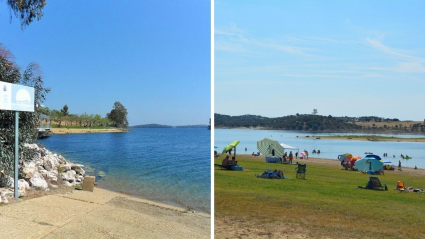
{"x": 343, "y": 58}
{"x": 152, "y": 56}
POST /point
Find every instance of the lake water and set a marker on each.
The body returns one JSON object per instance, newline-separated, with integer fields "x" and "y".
{"x": 328, "y": 148}
{"x": 170, "y": 165}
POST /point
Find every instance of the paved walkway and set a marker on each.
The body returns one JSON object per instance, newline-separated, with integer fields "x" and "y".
{"x": 99, "y": 214}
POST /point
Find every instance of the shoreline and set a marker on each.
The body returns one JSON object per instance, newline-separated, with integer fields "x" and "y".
{"x": 332, "y": 131}
{"x": 84, "y": 130}
{"x": 329, "y": 162}
{"x": 98, "y": 214}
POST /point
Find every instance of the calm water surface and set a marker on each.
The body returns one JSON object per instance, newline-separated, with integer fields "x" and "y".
{"x": 329, "y": 148}
{"x": 166, "y": 165}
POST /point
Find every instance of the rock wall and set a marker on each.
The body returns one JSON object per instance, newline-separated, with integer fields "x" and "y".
{"x": 45, "y": 171}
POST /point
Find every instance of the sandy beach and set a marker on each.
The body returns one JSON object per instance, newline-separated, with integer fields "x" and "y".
{"x": 84, "y": 131}
{"x": 99, "y": 214}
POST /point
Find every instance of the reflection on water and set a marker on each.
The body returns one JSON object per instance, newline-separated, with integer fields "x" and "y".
{"x": 167, "y": 165}
{"x": 328, "y": 148}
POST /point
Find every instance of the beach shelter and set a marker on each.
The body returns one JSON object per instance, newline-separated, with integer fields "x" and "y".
{"x": 368, "y": 164}
{"x": 231, "y": 146}
{"x": 270, "y": 147}
{"x": 345, "y": 157}
{"x": 288, "y": 147}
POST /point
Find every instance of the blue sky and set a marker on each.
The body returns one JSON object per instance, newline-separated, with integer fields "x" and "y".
{"x": 152, "y": 56}
{"x": 343, "y": 58}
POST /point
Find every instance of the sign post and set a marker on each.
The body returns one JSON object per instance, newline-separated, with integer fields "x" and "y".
{"x": 16, "y": 98}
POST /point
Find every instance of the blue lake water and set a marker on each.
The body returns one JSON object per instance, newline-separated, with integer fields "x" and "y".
{"x": 170, "y": 165}
{"x": 328, "y": 148}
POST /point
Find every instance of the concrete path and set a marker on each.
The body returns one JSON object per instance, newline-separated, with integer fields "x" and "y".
{"x": 99, "y": 214}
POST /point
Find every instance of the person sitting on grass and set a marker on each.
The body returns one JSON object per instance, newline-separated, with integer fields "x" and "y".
{"x": 225, "y": 161}
{"x": 233, "y": 162}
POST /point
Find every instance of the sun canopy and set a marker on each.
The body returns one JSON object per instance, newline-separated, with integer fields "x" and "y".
{"x": 270, "y": 147}
{"x": 373, "y": 156}
{"x": 345, "y": 157}
{"x": 230, "y": 146}
{"x": 285, "y": 146}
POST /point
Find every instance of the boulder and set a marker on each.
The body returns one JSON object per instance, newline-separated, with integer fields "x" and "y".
{"x": 51, "y": 162}
{"x": 38, "y": 181}
{"x": 29, "y": 171}
{"x": 23, "y": 185}
{"x": 78, "y": 168}
{"x": 63, "y": 167}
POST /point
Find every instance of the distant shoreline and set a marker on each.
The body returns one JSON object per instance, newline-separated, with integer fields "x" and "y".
{"x": 84, "y": 130}
{"x": 167, "y": 126}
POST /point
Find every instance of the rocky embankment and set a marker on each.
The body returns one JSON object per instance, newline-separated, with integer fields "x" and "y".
{"x": 44, "y": 171}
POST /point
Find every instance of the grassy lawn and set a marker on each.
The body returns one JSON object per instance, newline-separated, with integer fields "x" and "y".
{"x": 327, "y": 203}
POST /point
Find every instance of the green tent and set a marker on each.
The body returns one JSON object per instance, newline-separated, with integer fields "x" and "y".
{"x": 270, "y": 147}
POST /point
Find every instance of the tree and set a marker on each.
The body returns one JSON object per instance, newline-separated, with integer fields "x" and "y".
{"x": 27, "y": 10}
{"x": 314, "y": 112}
{"x": 28, "y": 121}
{"x": 118, "y": 114}
{"x": 64, "y": 110}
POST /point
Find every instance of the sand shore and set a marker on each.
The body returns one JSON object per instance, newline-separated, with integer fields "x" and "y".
{"x": 99, "y": 214}
{"x": 84, "y": 131}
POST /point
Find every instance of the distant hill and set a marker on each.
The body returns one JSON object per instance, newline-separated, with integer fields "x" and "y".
{"x": 311, "y": 122}
{"x": 291, "y": 122}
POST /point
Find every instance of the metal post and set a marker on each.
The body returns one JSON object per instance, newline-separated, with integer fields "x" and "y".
{"x": 16, "y": 152}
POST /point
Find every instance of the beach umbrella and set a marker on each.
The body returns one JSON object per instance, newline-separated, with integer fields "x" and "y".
{"x": 231, "y": 146}
{"x": 355, "y": 158}
{"x": 373, "y": 156}
{"x": 270, "y": 147}
{"x": 368, "y": 164}
{"x": 345, "y": 157}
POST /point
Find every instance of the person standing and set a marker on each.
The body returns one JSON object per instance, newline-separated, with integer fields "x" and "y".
{"x": 290, "y": 157}
{"x": 399, "y": 164}
{"x": 296, "y": 155}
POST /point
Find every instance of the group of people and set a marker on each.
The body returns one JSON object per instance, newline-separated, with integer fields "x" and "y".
{"x": 288, "y": 158}
{"x": 227, "y": 162}
{"x": 316, "y": 152}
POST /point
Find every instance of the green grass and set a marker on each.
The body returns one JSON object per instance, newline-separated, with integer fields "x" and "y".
{"x": 327, "y": 203}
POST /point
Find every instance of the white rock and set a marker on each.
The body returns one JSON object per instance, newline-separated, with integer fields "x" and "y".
{"x": 64, "y": 167}
{"x": 29, "y": 171}
{"x": 38, "y": 181}
{"x": 23, "y": 185}
{"x": 50, "y": 162}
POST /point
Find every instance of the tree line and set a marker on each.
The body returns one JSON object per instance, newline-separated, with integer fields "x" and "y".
{"x": 63, "y": 118}
{"x": 305, "y": 122}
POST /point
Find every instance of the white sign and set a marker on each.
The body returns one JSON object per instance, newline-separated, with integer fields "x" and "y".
{"x": 16, "y": 97}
